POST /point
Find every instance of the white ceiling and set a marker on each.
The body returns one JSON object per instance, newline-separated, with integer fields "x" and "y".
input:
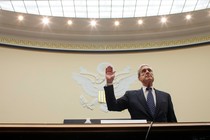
{"x": 103, "y": 8}
{"x": 80, "y": 35}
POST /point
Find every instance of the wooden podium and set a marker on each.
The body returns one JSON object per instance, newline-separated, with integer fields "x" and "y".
{"x": 168, "y": 131}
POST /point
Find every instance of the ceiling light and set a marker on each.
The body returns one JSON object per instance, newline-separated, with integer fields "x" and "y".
{"x": 69, "y": 22}
{"x": 93, "y": 23}
{"x": 140, "y": 21}
{"x": 188, "y": 17}
{"x": 45, "y": 20}
{"x": 116, "y": 23}
{"x": 163, "y": 19}
{"x": 20, "y": 17}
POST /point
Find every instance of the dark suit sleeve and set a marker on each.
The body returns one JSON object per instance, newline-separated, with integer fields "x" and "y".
{"x": 114, "y": 104}
{"x": 171, "y": 114}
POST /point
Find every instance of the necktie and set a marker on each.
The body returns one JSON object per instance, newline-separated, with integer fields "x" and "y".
{"x": 150, "y": 101}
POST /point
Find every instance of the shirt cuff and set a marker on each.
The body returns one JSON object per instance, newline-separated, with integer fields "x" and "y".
{"x": 109, "y": 84}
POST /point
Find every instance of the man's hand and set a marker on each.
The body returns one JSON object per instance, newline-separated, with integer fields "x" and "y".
{"x": 110, "y": 74}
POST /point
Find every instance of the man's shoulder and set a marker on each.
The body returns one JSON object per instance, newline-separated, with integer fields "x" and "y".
{"x": 161, "y": 92}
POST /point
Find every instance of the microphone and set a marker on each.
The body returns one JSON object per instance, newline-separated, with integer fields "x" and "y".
{"x": 150, "y": 126}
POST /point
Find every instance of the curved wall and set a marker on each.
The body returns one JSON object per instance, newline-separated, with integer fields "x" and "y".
{"x": 38, "y": 86}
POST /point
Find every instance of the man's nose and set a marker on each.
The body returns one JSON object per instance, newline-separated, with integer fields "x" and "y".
{"x": 147, "y": 71}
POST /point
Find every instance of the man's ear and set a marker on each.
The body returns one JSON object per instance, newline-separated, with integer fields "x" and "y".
{"x": 139, "y": 78}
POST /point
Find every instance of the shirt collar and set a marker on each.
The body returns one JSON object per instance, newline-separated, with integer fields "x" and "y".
{"x": 144, "y": 88}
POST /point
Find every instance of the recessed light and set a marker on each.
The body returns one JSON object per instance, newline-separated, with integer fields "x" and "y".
{"x": 93, "y": 23}
{"x": 20, "y": 17}
{"x": 140, "y": 21}
{"x": 188, "y": 17}
{"x": 116, "y": 23}
{"x": 45, "y": 20}
{"x": 69, "y": 22}
{"x": 163, "y": 19}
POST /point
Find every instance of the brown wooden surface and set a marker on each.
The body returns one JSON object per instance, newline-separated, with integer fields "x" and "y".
{"x": 189, "y": 130}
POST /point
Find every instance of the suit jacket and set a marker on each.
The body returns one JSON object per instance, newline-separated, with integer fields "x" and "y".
{"x": 135, "y": 102}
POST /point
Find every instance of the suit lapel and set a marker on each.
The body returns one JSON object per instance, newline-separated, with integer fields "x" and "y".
{"x": 157, "y": 102}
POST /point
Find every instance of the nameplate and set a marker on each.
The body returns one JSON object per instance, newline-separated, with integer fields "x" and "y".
{"x": 123, "y": 121}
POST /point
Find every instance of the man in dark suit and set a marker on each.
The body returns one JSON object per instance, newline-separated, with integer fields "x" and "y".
{"x": 137, "y": 102}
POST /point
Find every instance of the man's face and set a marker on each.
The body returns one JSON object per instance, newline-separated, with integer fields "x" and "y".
{"x": 146, "y": 75}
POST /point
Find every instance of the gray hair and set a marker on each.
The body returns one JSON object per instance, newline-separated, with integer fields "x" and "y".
{"x": 139, "y": 70}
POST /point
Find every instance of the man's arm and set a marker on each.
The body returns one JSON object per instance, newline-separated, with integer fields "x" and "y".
{"x": 171, "y": 113}
{"x": 112, "y": 103}
{"x": 109, "y": 89}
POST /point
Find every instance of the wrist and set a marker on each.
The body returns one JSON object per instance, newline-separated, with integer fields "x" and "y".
{"x": 109, "y": 83}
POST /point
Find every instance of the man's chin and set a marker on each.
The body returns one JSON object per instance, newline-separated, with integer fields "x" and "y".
{"x": 150, "y": 80}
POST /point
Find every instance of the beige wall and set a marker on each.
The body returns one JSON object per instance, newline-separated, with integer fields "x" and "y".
{"x": 38, "y": 86}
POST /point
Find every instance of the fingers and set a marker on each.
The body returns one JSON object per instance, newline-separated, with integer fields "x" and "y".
{"x": 109, "y": 69}
{"x": 110, "y": 74}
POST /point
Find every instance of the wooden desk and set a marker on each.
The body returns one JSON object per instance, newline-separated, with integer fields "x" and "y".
{"x": 171, "y": 131}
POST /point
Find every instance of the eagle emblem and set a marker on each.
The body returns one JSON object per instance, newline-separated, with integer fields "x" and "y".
{"x": 93, "y": 85}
